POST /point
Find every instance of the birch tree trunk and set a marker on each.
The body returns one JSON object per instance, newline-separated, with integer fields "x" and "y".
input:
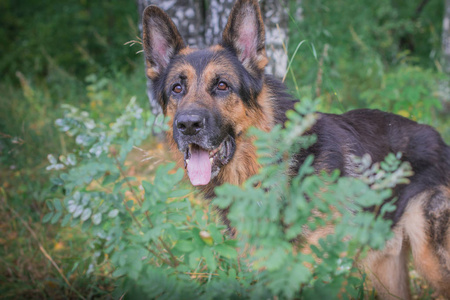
{"x": 201, "y": 24}
{"x": 445, "y": 84}
{"x": 216, "y": 19}
{"x": 446, "y": 38}
{"x": 275, "y": 16}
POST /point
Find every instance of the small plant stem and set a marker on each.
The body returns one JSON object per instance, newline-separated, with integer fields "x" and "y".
{"x": 130, "y": 187}
{"x": 131, "y": 214}
{"x": 320, "y": 71}
{"x": 174, "y": 259}
{"x": 159, "y": 256}
{"x": 355, "y": 260}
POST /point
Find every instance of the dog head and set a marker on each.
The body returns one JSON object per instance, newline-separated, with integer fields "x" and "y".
{"x": 209, "y": 95}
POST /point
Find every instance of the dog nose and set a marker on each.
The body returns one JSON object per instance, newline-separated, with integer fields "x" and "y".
{"x": 190, "y": 124}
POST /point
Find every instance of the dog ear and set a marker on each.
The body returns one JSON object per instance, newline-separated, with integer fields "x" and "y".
{"x": 244, "y": 34}
{"x": 161, "y": 40}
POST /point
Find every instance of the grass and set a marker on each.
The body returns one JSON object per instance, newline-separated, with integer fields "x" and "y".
{"x": 31, "y": 253}
{"x": 36, "y": 259}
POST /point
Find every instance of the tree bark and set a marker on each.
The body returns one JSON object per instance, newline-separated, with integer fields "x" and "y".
{"x": 216, "y": 19}
{"x": 446, "y": 38}
{"x": 445, "y": 84}
{"x": 275, "y": 14}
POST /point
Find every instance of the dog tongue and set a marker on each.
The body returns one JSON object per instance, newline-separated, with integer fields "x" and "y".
{"x": 199, "y": 166}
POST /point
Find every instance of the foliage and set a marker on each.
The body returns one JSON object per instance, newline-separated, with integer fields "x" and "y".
{"x": 160, "y": 243}
{"x": 27, "y": 136}
{"x": 408, "y": 91}
{"x": 62, "y": 33}
{"x": 30, "y": 112}
{"x": 358, "y": 44}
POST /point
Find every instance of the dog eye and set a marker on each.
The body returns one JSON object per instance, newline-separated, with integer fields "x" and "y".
{"x": 222, "y": 86}
{"x": 177, "y": 89}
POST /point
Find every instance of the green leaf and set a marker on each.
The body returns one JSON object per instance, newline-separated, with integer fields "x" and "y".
{"x": 56, "y": 217}
{"x": 196, "y": 237}
{"x": 57, "y": 181}
{"x": 194, "y": 259}
{"x": 179, "y": 174}
{"x": 178, "y": 193}
{"x": 57, "y": 204}
{"x": 176, "y": 218}
{"x": 118, "y": 186}
{"x": 97, "y": 218}
{"x": 226, "y": 251}
{"x": 71, "y": 159}
{"x": 232, "y": 273}
{"x": 78, "y": 211}
{"x": 152, "y": 234}
{"x": 314, "y": 50}
{"x": 148, "y": 187}
{"x": 86, "y": 214}
{"x": 110, "y": 178}
{"x": 85, "y": 199}
{"x": 47, "y": 217}
{"x": 215, "y": 233}
{"x": 119, "y": 272}
{"x": 113, "y": 213}
{"x": 222, "y": 202}
{"x": 77, "y": 196}
{"x": 272, "y": 259}
{"x": 72, "y": 206}
{"x": 184, "y": 246}
{"x": 209, "y": 257}
{"x": 50, "y": 204}
{"x": 65, "y": 220}
{"x": 51, "y": 159}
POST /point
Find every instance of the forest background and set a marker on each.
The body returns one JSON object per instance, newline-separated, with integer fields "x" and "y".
{"x": 389, "y": 55}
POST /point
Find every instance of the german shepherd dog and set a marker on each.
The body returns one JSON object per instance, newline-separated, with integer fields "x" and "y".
{"x": 213, "y": 96}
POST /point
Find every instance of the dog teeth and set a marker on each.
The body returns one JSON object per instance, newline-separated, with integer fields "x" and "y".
{"x": 213, "y": 152}
{"x": 187, "y": 161}
{"x": 211, "y": 160}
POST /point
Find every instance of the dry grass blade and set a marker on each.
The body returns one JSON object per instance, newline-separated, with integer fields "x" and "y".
{"x": 131, "y": 43}
{"x": 41, "y": 247}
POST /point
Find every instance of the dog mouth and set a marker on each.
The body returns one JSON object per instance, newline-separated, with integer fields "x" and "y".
{"x": 204, "y": 164}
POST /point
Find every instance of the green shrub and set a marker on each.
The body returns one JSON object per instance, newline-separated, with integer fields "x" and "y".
{"x": 408, "y": 91}
{"x": 160, "y": 243}
{"x": 365, "y": 42}
{"x": 76, "y": 37}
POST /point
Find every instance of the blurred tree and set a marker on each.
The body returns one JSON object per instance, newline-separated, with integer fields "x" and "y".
{"x": 275, "y": 16}
{"x": 201, "y": 23}
{"x": 445, "y": 85}
{"x": 446, "y": 38}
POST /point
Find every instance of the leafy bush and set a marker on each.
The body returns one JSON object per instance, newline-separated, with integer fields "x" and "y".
{"x": 408, "y": 91}
{"x": 158, "y": 242}
{"x": 73, "y": 37}
{"x": 359, "y": 44}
